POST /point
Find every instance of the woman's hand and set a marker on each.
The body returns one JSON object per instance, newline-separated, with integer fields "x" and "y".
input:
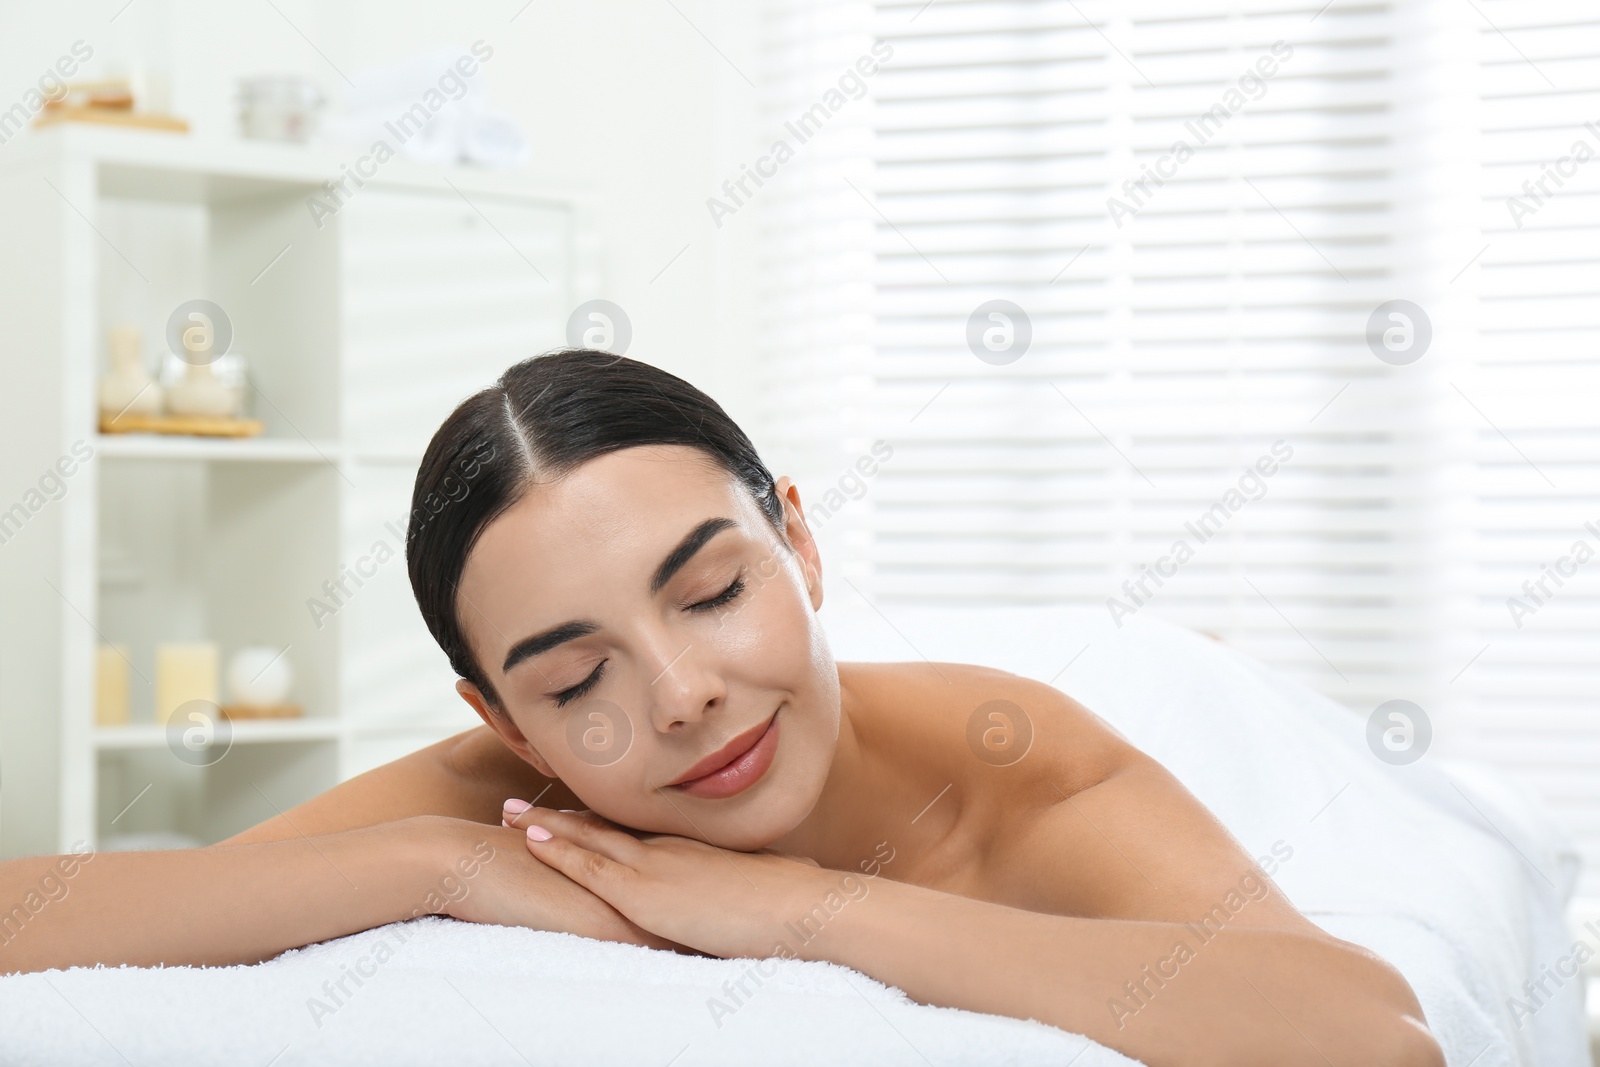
{"x": 487, "y": 876}
{"x": 717, "y": 900}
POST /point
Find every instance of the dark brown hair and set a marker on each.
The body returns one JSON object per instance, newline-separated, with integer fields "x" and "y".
{"x": 540, "y": 419}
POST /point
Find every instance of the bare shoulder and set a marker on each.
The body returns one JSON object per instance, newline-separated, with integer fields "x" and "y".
{"x": 466, "y": 776}
{"x": 1060, "y": 812}
{"x": 1041, "y": 737}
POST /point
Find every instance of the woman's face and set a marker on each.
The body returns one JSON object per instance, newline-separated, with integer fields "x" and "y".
{"x": 637, "y": 616}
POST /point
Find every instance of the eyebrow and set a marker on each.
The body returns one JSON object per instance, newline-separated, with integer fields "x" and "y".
{"x": 674, "y": 562}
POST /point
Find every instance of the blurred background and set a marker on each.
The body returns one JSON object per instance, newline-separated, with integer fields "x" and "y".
{"x": 1277, "y": 321}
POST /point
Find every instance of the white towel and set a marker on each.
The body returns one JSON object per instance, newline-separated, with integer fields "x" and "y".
{"x": 1452, "y": 875}
{"x": 453, "y": 992}
{"x": 384, "y": 104}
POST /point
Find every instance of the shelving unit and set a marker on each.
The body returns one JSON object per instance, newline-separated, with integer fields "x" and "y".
{"x": 361, "y": 333}
{"x": 268, "y": 450}
{"x": 152, "y": 735}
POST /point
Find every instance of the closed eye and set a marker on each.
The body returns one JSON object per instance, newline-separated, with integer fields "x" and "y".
{"x": 567, "y": 696}
{"x": 727, "y": 596}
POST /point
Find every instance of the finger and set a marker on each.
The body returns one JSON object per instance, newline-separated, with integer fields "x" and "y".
{"x": 587, "y": 829}
{"x": 519, "y": 815}
{"x": 514, "y": 813}
{"x": 595, "y": 871}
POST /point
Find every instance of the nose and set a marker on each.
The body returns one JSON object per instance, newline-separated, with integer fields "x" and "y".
{"x": 684, "y": 687}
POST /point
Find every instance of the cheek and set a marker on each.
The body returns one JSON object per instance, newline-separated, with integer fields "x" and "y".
{"x": 780, "y": 645}
{"x": 768, "y": 624}
{"x": 594, "y": 747}
{"x": 603, "y": 756}
{"x": 616, "y": 791}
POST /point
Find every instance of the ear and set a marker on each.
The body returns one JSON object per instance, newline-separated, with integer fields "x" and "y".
{"x": 504, "y": 728}
{"x": 799, "y": 535}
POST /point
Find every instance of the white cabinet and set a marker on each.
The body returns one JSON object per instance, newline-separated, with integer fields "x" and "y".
{"x": 361, "y": 333}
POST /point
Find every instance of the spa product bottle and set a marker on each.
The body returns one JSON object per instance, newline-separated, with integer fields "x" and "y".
{"x": 200, "y": 391}
{"x": 127, "y": 387}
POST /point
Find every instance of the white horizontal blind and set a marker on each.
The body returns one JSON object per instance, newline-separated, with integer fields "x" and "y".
{"x": 815, "y": 286}
{"x": 1537, "y": 682}
{"x": 1190, "y": 307}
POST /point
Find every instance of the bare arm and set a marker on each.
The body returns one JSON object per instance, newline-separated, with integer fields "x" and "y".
{"x": 1152, "y": 990}
{"x": 386, "y": 845}
{"x": 467, "y": 776}
{"x": 230, "y": 904}
{"x": 219, "y": 905}
{"x": 1135, "y": 917}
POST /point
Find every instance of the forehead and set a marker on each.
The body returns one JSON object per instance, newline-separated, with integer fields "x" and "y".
{"x": 598, "y": 532}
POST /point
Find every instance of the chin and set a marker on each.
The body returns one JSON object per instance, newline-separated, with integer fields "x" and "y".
{"x": 753, "y": 838}
{"x": 772, "y": 808}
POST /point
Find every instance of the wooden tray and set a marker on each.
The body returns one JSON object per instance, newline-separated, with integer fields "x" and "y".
{"x": 201, "y": 425}
{"x": 109, "y": 116}
{"x": 233, "y": 712}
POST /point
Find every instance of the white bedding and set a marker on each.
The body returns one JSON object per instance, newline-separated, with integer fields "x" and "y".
{"x": 1448, "y": 872}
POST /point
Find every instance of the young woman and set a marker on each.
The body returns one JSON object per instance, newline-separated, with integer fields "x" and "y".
{"x": 630, "y": 602}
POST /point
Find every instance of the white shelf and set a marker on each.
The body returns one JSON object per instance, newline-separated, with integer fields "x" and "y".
{"x": 245, "y": 732}
{"x": 374, "y": 728}
{"x": 406, "y": 456}
{"x": 360, "y": 326}
{"x": 183, "y": 168}
{"x": 246, "y": 449}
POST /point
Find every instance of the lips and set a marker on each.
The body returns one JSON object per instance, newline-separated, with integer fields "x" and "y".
{"x": 725, "y": 755}
{"x": 739, "y": 770}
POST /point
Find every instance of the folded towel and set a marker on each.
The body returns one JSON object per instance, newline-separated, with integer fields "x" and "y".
{"x": 428, "y": 108}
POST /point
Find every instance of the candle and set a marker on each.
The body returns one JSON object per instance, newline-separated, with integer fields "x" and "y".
{"x": 185, "y": 671}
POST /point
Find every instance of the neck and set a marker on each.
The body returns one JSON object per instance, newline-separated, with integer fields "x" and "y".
{"x": 868, "y": 786}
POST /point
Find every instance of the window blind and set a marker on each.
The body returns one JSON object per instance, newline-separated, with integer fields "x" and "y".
{"x": 1203, "y": 220}
{"x": 815, "y": 289}
{"x": 1535, "y": 452}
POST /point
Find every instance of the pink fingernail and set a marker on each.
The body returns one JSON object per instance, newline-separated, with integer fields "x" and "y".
{"x": 517, "y": 807}
{"x": 538, "y": 833}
